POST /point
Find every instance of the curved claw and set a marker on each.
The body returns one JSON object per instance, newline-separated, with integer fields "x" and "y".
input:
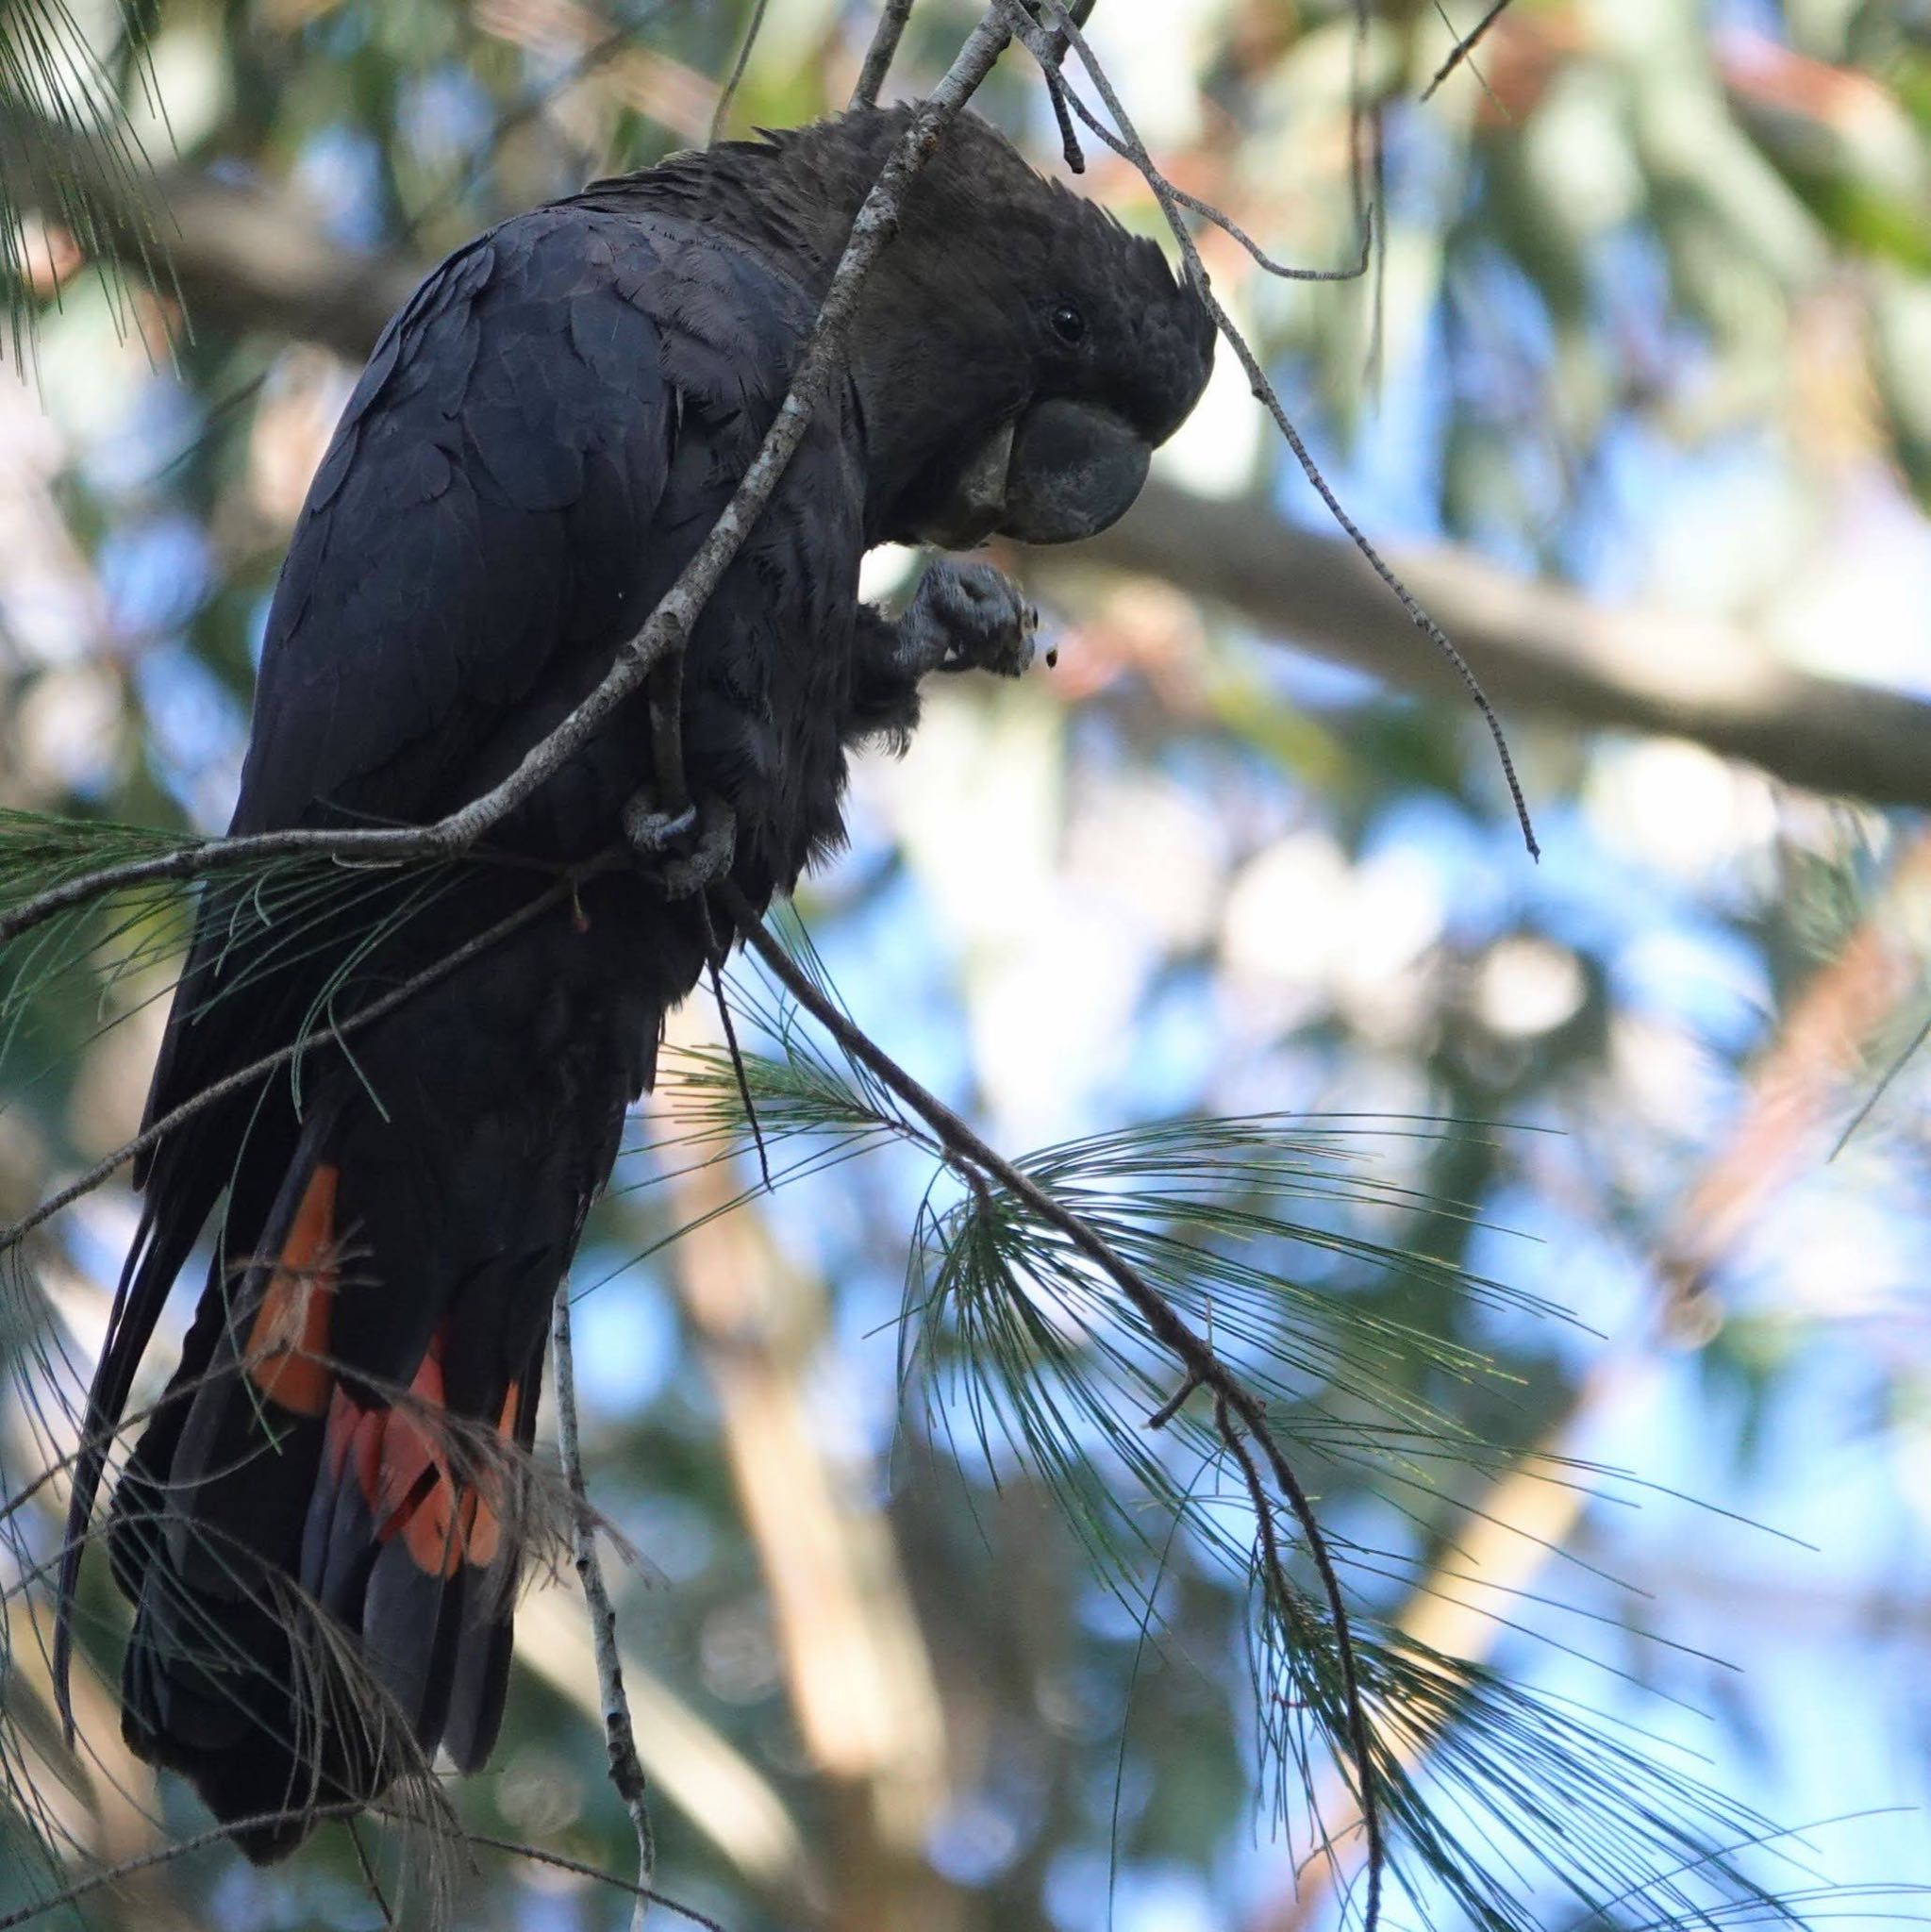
{"x": 652, "y": 832}
{"x": 710, "y": 858}
{"x": 688, "y": 849}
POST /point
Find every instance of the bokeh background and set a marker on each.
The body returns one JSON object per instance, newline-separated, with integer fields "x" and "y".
{"x": 1636, "y": 395}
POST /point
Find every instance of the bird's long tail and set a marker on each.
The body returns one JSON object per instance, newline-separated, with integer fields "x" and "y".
{"x": 322, "y": 1550}
{"x": 322, "y": 1527}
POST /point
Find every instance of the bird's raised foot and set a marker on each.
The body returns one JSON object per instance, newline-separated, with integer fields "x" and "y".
{"x": 687, "y": 850}
{"x": 967, "y": 617}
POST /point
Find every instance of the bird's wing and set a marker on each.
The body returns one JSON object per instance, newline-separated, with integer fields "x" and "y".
{"x": 484, "y": 505}
{"x": 539, "y": 440}
{"x": 542, "y": 437}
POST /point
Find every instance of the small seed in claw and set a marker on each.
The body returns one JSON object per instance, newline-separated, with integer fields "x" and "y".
{"x": 1053, "y": 657}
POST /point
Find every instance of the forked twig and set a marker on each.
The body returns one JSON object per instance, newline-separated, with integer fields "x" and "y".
{"x": 1465, "y": 46}
{"x": 1049, "y": 50}
{"x": 1128, "y": 145}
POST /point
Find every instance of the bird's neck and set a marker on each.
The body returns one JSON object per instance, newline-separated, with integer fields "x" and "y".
{"x": 791, "y": 200}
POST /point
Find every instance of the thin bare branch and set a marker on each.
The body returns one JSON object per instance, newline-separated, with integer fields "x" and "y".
{"x": 1126, "y": 143}
{"x": 1049, "y": 50}
{"x": 81, "y": 1888}
{"x": 194, "y": 861}
{"x": 722, "y": 113}
{"x": 620, "y": 1740}
{"x": 537, "y": 1854}
{"x": 878, "y": 55}
{"x": 1465, "y": 46}
{"x": 1173, "y": 1403}
{"x": 1069, "y": 138}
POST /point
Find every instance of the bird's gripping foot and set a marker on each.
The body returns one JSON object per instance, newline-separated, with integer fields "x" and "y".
{"x": 688, "y": 849}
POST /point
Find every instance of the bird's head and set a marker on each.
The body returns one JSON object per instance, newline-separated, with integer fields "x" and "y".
{"x": 1017, "y": 355}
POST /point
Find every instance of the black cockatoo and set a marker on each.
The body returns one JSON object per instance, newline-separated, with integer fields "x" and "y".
{"x": 542, "y": 438}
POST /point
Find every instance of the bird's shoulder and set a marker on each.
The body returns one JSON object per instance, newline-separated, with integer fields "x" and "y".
{"x": 532, "y": 433}
{"x": 545, "y": 321}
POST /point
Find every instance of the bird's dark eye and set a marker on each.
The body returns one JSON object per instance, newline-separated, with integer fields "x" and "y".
{"x": 1069, "y": 324}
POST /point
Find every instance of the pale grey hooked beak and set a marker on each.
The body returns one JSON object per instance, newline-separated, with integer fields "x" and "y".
{"x": 1076, "y": 467}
